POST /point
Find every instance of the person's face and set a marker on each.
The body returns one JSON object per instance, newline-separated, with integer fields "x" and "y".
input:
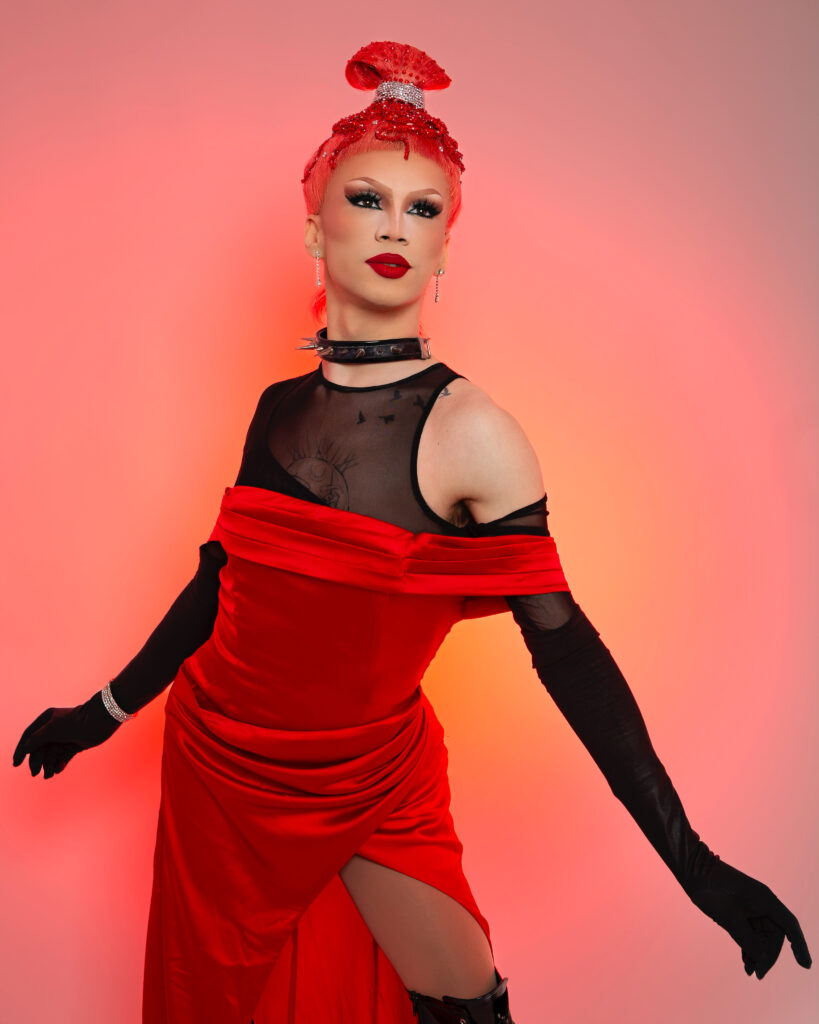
{"x": 378, "y": 202}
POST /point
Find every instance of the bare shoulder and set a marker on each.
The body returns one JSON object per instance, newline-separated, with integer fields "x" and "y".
{"x": 484, "y": 452}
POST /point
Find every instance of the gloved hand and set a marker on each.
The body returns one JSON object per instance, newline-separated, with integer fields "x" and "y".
{"x": 753, "y": 916}
{"x": 583, "y": 679}
{"x": 56, "y": 735}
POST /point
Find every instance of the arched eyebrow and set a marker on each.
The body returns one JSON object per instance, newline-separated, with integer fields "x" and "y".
{"x": 416, "y": 192}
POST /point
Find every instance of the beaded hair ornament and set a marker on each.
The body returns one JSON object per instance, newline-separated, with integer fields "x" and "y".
{"x": 400, "y": 74}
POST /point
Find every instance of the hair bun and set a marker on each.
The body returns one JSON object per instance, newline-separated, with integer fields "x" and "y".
{"x": 394, "y": 62}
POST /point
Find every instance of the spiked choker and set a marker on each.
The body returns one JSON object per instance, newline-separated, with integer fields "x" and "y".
{"x": 367, "y": 351}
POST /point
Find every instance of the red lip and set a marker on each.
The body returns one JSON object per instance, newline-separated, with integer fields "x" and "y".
{"x": 389, "y": 257}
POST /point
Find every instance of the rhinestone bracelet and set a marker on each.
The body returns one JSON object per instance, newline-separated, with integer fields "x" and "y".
{"x": 112, "y": 706}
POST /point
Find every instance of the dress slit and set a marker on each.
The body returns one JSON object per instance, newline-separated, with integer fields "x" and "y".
{"x": 337, "y": 935}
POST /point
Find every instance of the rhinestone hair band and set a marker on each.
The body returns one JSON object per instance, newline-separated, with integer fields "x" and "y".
{"x": 405, "y": 91}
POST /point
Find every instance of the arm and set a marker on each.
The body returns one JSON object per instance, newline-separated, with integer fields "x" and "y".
{"x": 56, "y": 735}
{"x": 581, "y": 676}
{"x": 185, "y": 627}
{"x": 584, "y": 681}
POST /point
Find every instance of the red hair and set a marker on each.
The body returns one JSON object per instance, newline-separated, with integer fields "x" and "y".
{"x": 386, "y": 123}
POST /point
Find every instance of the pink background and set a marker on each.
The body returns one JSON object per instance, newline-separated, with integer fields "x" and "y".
{"x": 633, "y": 277}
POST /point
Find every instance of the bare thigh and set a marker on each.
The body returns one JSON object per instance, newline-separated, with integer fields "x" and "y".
{"x": 435, "y": 945}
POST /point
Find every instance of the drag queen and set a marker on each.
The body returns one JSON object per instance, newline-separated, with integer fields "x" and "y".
{"x": 306, "y": 865}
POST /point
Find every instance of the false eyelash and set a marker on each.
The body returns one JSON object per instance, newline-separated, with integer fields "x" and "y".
{"x": 423, "y": 204}
{"x": 366, "y": 193}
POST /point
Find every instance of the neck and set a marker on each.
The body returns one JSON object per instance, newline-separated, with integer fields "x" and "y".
{"x": 351, "y": 323}
{"x": 362, "y": 325}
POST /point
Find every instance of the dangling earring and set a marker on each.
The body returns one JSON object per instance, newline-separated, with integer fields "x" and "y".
{"x": 437, "y": 276}
{"x": 318, "y": 279}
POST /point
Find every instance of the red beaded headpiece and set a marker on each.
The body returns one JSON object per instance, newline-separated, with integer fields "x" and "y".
{"x": 399, "y": 73}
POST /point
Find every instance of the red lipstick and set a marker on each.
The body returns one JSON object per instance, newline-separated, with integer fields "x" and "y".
{"x": 389, "y": 264}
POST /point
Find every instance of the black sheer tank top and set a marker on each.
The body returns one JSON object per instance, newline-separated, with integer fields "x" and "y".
{"x": 352, "y": 448}
{"x": 356, "y": 448}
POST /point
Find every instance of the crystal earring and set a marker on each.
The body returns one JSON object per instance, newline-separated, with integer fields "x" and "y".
{"x": 318, "y": 279}
{"x": 437, "y": 277}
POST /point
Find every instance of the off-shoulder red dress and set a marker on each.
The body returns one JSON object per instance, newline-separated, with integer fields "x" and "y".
{"x": 299, "y": 733}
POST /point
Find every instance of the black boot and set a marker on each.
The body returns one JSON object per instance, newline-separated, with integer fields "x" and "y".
{"x": 491, "y": 1008}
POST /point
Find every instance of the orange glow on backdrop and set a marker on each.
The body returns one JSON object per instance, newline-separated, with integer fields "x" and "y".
{"x": 633, "y": 276}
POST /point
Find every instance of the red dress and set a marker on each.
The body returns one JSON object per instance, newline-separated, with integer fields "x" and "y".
{"x": 283, "y": 758}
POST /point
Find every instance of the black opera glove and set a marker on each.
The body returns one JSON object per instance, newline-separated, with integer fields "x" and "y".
{"x": 57, "y": 734}
{"x": 591, "y": 693}
{"x": 186, "y": 626}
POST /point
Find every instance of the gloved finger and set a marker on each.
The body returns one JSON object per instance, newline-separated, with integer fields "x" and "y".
{"x": 50, "y": 759}
{"x": 752, "y": 943}
{"x": 788, "y": 923}
{"x": 35, "y": 759}
{"x": 22, "y": 747}
{"x": 774, "y": 938}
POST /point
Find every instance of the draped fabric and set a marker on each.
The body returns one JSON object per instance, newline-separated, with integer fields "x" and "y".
{"x": 298, "y": 735}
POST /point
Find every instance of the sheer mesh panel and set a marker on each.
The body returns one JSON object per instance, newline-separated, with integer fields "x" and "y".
{"x": 355, "y": 448}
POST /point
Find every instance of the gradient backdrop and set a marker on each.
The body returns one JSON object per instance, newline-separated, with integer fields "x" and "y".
{"x": 634, "y": 277}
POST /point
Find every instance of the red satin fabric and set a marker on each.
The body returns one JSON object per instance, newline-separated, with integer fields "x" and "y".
{"x": 298, "y": 735}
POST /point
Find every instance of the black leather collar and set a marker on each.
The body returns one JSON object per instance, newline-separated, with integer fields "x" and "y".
{"x": 367, "y": 351}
